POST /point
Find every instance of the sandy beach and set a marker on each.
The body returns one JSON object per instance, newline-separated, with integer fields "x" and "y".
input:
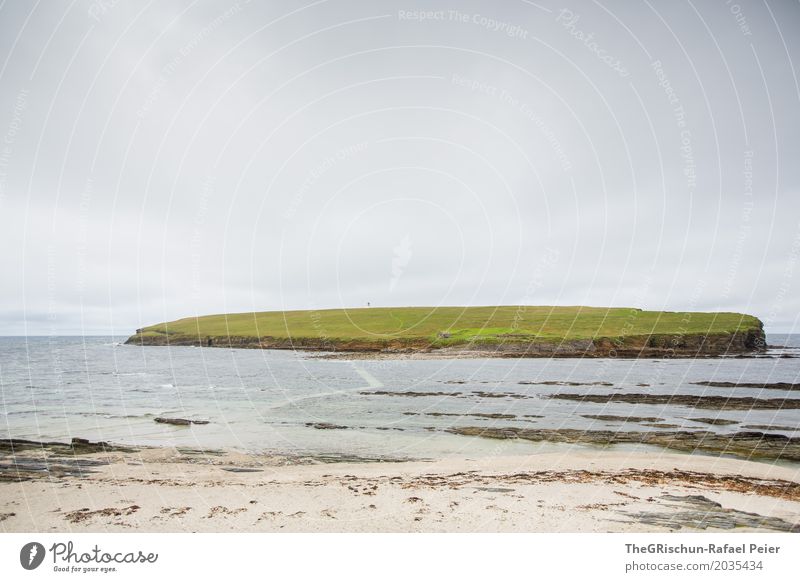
{"x": 581, "y": 490}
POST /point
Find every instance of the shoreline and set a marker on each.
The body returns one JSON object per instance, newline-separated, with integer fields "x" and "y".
{"x": 578, "y": 490}
{"x": 632, "y": 347}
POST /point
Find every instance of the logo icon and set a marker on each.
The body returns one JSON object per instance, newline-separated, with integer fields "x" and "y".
{"x": 31, "y": 555}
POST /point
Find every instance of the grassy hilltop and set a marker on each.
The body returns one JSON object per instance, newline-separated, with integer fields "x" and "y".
{"x": 506, "y": 328}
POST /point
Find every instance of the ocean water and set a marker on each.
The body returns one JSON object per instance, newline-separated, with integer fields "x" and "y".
{"x": 57, "y": 388}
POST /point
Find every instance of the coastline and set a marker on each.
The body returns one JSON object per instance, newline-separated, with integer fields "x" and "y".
{"x": 746, "y": 344}
{"x": 577, "y": 490}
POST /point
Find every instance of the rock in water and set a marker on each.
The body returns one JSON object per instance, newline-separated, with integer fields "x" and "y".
{"x": 179, "y": 421}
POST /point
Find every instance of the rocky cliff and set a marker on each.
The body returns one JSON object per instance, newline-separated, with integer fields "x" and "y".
{"x": 676, "y": 345}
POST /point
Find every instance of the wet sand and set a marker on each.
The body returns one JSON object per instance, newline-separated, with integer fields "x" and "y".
{"x": 580, "y": 490}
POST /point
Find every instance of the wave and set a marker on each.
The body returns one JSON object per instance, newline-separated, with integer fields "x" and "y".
{"x": 109, "y": 415}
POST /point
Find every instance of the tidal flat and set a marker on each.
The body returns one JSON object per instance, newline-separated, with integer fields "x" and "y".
{"x": 102, "y": 436}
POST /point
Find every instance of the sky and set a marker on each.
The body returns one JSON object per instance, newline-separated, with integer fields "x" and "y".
{"x": 160, "y": 160}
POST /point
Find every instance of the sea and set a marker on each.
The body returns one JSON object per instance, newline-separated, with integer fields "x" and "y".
{"x": 303, "y": 404}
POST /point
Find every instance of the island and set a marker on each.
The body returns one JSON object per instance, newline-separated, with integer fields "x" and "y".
{"x": 500, "y": 331}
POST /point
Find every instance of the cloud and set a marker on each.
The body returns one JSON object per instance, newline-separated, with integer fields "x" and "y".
{"x": 160, "y": 161}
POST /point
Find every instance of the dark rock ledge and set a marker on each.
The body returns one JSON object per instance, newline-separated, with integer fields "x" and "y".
{"x": 757, "y": 445}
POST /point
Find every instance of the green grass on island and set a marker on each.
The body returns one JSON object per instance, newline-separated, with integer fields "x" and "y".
{"x": 449, "y": 326}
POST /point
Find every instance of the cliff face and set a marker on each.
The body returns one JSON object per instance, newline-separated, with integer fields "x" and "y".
{"x": 750, "y": 341}
{"x": 678, "y": 345}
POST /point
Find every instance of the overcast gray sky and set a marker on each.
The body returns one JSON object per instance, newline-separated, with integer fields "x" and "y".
{"x": 165, "y": 159}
